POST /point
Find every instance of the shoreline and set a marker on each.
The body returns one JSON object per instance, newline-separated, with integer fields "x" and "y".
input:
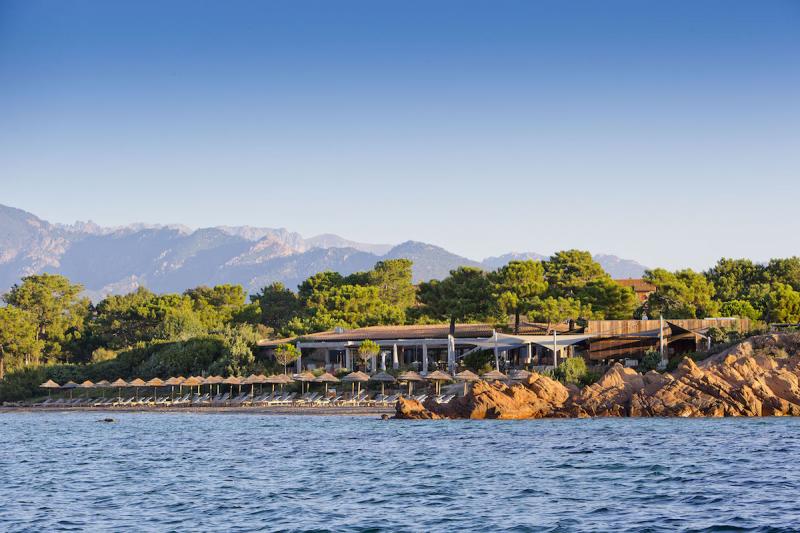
{"x": 274, "y": 410}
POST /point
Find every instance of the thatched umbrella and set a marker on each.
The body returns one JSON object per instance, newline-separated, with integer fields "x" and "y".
{"x": 251, "y": 380}
{"x": 155, "y": 383}
{"x": 383, "y": 378}
{"x": 467, "y": 376}
{"x": 233, "y": 380}
{"x": 103, "y": 384}
{"x": 49, "y": 385}
{"x": 193, "y": 381}
{"x": 437, "y": 377}
{"x": 213, "y": 380}
{"x": 279, "y": 379}
{"x": 356, "y": 377}
{"x": 304, "y": 377}
{"x": 494, "y": 375}
{"x": 410, "y": 376}
{"x": 69, "y": 385}
{"x": 118, "y": 384}
{"x": 136, "y": 383}
{"x": 519, "y": 375}
{"x": 326, "y": 378}
{"x": 86, "y": 385}
{"x": 172, "y": 382}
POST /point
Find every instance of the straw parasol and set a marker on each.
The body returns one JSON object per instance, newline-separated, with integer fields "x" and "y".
{"x": 213, "y": 380}
{"x": 279, "y": 379}
{"x": 326, "y": 378}
{"x": 86, "y": 385}
{"x": 410, "y": 376}
{"x": 233, "y": 380}
{"x": 356, "y": 377}
{"x": 304, "y": 377}
{"x": 49, "y": 385}
{"x": 251, "y": 380}
{"x": 437, "y": 377}
{"x": 467, "y": 376}
{"x": 103, "y": 384}
{"x": 69, "y": 385}
{"x": 136, "y": 383}
{"x": 519, "y": 375}
{"x": 172, "y": 382}
{"x": 193, "y": 381}
{"x": 155, "y": 383}
{"x": 384, "y": 378}
{"x": 494, "y": 375}
{"x": 118, "y": 384}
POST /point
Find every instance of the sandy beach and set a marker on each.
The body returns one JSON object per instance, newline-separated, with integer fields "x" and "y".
{"x": 274, "y": 410}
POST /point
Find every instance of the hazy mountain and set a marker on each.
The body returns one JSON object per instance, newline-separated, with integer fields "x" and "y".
{"x": 618, "y": 268}
{"x": 492, "y": 263}
{"x": 173, "y": 258}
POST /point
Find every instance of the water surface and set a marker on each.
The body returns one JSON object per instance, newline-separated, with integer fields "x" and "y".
{"x": 221, "y": 472}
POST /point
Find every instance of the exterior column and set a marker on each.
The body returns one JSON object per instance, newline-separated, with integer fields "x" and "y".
{"x": 555, "y": 348}
{"x": 529, "y": 354}
{"x": 383, "y": 361}
{"x": 424, "y": 359}
{"x": 373, "y": 363}
{"x": 300, "y": 362}
{"x": 395, "y": 360}
{"x": 347, "y": 359}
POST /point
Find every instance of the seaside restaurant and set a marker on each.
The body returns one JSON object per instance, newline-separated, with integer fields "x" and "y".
{"x": 426, "y": 348}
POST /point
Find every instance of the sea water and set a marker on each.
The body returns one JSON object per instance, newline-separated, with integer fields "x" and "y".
{"x": 68, "y": 471}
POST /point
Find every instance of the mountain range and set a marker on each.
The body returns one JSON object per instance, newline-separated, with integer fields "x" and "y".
{"x": 114, "y": 260}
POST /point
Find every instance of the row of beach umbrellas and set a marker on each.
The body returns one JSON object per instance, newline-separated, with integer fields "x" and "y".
{"x": 355, "y": 378}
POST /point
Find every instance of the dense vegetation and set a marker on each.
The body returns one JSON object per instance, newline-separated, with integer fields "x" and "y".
{"x": 48, "y": 328}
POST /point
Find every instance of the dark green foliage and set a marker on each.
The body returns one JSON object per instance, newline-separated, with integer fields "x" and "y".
{"x": 479, "y": 361}
{"x": 572, "y": 370}
{"x": 650, "y": 361}
{"x": 466, "y": 294}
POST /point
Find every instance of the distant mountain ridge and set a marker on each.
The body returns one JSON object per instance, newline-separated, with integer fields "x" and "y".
{"x": 172, "y": 258}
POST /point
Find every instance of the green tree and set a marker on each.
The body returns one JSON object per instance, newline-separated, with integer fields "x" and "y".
{"x": 782, "y": 304}
{"x": 464, "y": 294}
{"x": 608, "y": 299}
{"x": 516, "y": 287}
{"x": 278, "y": 305}
{"x": 19, "y": 345}
{"x": 569, "y": 271}
{"x": 732, "y": 277}
{"x": 57, "y": 309}
{"x": 785, "y": 271}
{"x": 286, "y": 354}
{"x": 739, "y": 308}
{"x": 555, "y": 310}
{"x": 216, "y": 306}
{"x": 393, "y": 278}
{"x": 367, "y": 350}
{"x": 681, "y": 294}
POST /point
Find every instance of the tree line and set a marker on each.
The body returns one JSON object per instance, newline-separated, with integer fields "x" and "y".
{"x": 45, "y": 318}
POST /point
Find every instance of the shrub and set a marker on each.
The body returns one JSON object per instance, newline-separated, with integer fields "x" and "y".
{"x": 571, "y": 370}
{"x": 479, "y": 361}
{"x": 650, "y": 361}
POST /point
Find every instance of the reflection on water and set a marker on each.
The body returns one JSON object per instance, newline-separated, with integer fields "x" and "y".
{"x": 218, "y": 472}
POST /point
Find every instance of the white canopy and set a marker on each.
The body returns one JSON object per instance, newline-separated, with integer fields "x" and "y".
{"x": 514, "y": 341}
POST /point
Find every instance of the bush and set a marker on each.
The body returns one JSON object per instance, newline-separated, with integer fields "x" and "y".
{"x": 572, "y": 370}
{"x": 650, "y": 361}
{"x": 480, "y": 361}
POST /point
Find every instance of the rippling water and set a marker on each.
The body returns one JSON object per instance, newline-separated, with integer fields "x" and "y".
{"x": 217, "y": 472}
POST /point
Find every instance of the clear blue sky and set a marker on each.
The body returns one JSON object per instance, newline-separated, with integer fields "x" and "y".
{"x": 668, "y": 132}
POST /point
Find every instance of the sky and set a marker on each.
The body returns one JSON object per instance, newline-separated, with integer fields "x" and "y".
{"x": 666, "y": 132}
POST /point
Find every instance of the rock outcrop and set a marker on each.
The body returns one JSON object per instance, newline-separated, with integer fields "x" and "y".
{"x": 758, "y": 377}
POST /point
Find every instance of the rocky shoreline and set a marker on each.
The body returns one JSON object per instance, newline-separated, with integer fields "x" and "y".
{"x": 758, "y": 377}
